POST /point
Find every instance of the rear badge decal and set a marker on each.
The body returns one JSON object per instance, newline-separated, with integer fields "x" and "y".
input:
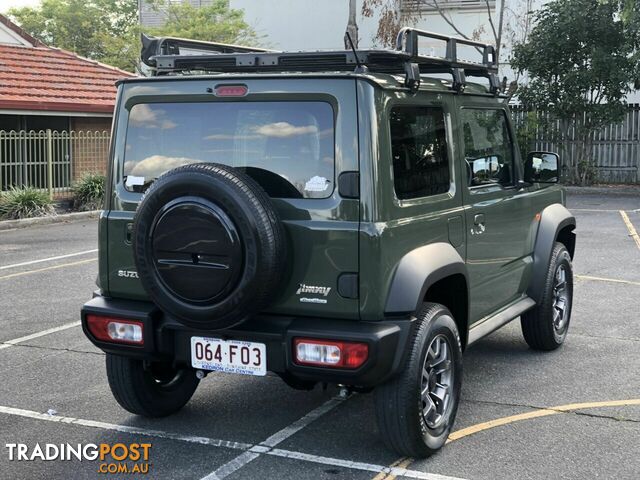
{"x": 313, "y": 289}
{"x": 313, "y": 300}
{"x": 128, "y": 273}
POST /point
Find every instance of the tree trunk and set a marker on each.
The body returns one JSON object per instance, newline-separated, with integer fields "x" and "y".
{"x": 500, "y": 28}
{"x": 352, "y": 27}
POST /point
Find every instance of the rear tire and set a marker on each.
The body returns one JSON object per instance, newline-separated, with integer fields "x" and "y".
{"x": 156, "y": 391}
{"x": 412, "y": 422}
{"x": 545, "y": 327}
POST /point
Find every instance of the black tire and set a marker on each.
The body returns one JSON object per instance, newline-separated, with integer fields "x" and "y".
{"x": 540, "y": 326}
{"x": 399, "y": 403}
{"x": 209, "y": 246}
{"x": 156, "y": 391}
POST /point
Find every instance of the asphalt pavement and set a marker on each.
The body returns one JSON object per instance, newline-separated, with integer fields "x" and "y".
{"x": 573, "y": 413}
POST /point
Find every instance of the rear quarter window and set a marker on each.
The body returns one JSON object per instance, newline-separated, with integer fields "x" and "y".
{"x": 286, "y": 147}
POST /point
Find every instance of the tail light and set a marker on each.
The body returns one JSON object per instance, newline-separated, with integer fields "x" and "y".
{"x": 116, "y": 330}
{"x": 330, "y": 353}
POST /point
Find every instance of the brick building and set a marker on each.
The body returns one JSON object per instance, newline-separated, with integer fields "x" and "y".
{"x": 48, "y": 89}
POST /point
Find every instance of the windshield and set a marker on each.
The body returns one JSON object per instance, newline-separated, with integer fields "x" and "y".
{"x": 286, "y": 147}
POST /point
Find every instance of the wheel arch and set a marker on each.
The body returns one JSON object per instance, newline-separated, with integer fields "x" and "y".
{"x": 434, "y": 273}
{"x": 452, "y": 292}
{"x": 557, "y": 224}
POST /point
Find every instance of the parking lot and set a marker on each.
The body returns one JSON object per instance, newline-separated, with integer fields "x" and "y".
{"x": 572, "y": 413}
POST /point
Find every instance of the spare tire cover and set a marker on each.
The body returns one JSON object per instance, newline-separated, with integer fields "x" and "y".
{"x": 208, "y": 245}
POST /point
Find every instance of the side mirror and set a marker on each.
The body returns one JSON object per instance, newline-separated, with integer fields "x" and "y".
{"x": 542, "y": 167}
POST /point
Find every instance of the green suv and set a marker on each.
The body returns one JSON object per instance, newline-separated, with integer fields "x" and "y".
{"x": 356, "y": 218}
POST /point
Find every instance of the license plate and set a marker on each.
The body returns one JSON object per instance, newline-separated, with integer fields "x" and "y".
{"x": 229, "y": 356}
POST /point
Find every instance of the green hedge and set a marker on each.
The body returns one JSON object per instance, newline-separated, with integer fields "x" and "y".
{"x": 25, "y": 203}
{"x": 88, "y": 192}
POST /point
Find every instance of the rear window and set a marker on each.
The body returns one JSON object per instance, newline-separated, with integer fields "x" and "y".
{"x": 286, "y": 147}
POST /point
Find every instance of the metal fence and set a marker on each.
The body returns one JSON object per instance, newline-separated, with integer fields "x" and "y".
{"x": 48, "y": 159}
{"x": 615, "y": 149}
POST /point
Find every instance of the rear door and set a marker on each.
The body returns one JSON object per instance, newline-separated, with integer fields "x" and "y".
{"x": 296, "y": 145}
{"x": 497, "y": 213}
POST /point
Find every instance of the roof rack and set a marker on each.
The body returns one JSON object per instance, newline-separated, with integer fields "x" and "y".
{"x": 174, "y": 55}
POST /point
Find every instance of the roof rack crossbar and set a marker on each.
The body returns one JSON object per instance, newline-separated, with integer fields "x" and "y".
{"x": 408, "y": 42}
{"x": 174, "y": 46}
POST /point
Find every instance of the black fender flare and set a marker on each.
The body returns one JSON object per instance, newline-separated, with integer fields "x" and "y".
{"x": 553, "y": 219}
{"x": 418, "y": 270}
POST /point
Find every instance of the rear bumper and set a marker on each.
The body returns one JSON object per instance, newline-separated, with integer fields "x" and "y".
{"x": 165, "y": 339}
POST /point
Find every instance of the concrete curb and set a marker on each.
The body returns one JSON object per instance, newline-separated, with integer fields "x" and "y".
{"x": 63, "y": 218}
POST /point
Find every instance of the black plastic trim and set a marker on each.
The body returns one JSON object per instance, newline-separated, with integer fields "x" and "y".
{"x": 348, "y": 285}
{"x": 553, "y": 219}
{"x": 417, "y": 271}
{"x": 349, "y": 185}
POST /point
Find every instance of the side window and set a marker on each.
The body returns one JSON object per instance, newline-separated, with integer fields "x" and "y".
{"x": 419, "y": 152}
{"x": 488, "y": 148}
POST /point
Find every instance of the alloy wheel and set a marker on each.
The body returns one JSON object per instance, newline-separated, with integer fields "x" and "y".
{"x": 436, "y": 382}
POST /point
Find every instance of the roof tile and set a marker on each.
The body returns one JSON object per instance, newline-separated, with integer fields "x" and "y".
{"x": 44, "y": 78}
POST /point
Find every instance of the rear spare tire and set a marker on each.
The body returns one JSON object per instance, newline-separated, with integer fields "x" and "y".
{"x": 209, "y": 246}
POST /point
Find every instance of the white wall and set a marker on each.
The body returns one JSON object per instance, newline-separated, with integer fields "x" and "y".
{"x": 304, "y": 24}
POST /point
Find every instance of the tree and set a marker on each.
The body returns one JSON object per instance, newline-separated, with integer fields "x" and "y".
{"x": 108, "y": 30}
{"x": 393, "y": 17}
{"x": 85, "y": 27}
{"x": 214, "y": 22}
{"x": 580, "y": 69}
{"x": 631, "y": 18}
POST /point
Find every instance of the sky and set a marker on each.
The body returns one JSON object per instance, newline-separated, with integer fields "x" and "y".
{"x": 7, "y": 4}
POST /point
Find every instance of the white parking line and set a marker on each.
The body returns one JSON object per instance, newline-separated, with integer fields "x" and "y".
{"x": 278, "y": 437}
{"x": 123, "y": 428}
{"x": 368, "y": 467}
{"x": 15, "y": 341}
{"x": 251, "y": 451}
{"x": 49, "y": 259}
{"x": 298, "y": 425}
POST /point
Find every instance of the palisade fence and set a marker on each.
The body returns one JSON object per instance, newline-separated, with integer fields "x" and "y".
{"x": 50, "y": 160}
{"x": 615, "y": 149}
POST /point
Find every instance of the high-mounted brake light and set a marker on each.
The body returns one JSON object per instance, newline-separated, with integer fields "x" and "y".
{"x": 330, "y": 353}
{"x": 116, "y": 330}
{"x": 231, "y": 90}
